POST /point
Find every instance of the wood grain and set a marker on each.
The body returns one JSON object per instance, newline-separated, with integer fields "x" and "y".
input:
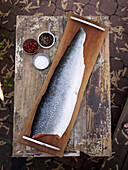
{"x": 74, "y": 143}
{"x": 120, "y": 141}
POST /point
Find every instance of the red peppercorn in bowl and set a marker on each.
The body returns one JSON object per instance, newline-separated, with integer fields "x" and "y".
{"x": 30, "y": 46}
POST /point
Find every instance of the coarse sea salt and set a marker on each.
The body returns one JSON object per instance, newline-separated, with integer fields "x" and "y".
{"x": 41, "y": 61}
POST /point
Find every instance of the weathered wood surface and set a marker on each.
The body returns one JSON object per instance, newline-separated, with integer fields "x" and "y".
{"x": 119, "y": 158}
{"x": 92, "y": 48}
{"x": 92, "y": 131}
{"x": 93, "y": 125}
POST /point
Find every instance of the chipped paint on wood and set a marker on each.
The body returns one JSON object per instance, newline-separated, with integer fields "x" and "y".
{"x": 92, "y": 130}
{"x": 19, "y": 51}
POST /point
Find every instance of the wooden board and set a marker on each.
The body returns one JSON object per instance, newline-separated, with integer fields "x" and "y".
{"x": 24, "y": 77}
{"x": 119, "y": 158}
{"x": 92, "y": 47}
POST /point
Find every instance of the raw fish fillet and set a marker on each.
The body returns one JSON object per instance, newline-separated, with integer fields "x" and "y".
{"x": 55, "y": 110}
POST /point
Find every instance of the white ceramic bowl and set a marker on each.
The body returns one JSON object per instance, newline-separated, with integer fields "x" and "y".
{"x": 49, "y": 45}
{"x": 41, "y": 61}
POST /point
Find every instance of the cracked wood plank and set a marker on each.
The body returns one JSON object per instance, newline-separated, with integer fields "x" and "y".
{"x": 92, "y": 130}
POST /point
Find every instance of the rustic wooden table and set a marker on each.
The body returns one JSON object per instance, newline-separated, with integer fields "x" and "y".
{"x": 119, "y": 158}
{"x": 92, "y": 131}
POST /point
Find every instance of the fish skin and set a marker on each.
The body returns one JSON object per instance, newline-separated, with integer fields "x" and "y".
{"x": 56, "y": 107}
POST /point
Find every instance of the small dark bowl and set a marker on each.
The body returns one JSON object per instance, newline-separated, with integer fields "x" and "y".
{"x": 46, "y": 39}
{"x": 31, "y": 47}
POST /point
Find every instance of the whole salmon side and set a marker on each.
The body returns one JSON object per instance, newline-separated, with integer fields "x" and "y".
{"x": 55, "y": 110}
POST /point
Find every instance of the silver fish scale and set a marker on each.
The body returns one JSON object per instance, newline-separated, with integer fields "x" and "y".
{"x": 49, "y": 112}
